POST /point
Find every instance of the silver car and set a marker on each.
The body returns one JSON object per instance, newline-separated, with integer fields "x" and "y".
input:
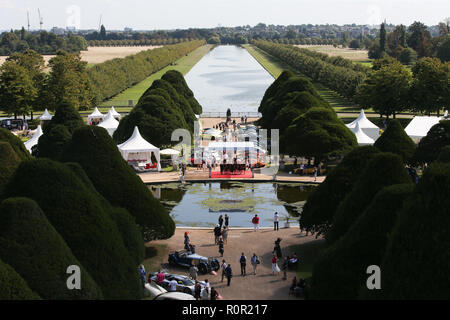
{"x": 184, "y": 283}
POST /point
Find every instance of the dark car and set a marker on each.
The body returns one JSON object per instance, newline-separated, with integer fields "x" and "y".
{"x": 186, "y": 259}
{"x": 13, "y": 124}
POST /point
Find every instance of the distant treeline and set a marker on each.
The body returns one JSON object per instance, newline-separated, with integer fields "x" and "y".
{"x": 112, "y": 77}
{"x": 135, "y": 43}
{"x": 42, "y": 42}
{"x": 336, "y": 74}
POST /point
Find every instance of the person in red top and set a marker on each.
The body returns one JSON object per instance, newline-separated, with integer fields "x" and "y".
{"x": 160, "y": 277}
{"x": 275, "y": 267}
{"x": 255, "y": 222}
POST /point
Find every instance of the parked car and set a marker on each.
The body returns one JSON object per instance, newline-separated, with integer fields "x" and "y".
{"x": 158, "y": 293}
{"x": 13, "y": 124}
{"x": 183, "y": 258}
{"x": 185, "y": 284}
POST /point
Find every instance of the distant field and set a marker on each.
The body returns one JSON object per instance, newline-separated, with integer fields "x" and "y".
{"x": 183, "y": 65}
{"x": 96, "y": 55}
{"x": 351, "y": 54}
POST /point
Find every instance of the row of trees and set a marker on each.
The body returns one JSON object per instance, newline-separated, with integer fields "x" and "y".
{"x": 338, "y": 78}
{"x": 391, "y": 88}
{"x": 409, "y": 43}
{"x": 376, "y": 215}
{"x": 113, "y": 76}
{"x": 167, "y": 105}
{"x": 136, "y": 43}
{"x": 55, "y": 206}
{"x": 42, "y": 42}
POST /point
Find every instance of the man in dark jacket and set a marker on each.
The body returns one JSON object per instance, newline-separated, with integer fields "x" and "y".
{"x": 229, "y": 274}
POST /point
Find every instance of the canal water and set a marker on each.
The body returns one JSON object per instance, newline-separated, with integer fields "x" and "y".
{"x": 201, "y": 204}
{"x": 229, "y": 77}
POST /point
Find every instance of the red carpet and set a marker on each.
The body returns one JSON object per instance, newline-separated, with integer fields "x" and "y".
{"x": 217, "y": 175}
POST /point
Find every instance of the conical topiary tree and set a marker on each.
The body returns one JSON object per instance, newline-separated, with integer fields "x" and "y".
{"x": 444, "y": 156}
{"x": 383, "y": 170}
{"x": 395, "y": 140}
{"x": 13, "y": 286}
{"x": 16, "y": 144}
{"x": 52, "y": 143}
{"x": 30, "y": 244}
{"x": 66, "y": 115}
{"x": 131, "y": 234}
{"x": 430, "y": 146}
{"x": 9, "y": 161}
{"x": 362, "y": 246}
{"x": 117, "y": 182}
{"x": 317, "y": 215}
{"x": 417, "y": 258}
{"x": 80, "y": 219}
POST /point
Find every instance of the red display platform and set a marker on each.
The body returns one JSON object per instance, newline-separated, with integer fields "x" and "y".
{"x": 217, "y": 175}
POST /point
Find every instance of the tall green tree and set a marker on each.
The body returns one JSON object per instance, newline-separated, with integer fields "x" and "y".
{"x": 386, "y": 90}
{"x": 17, "y": 90}
{"x": 430, "y": 88}
{"x": 419, "y": 38}
{"x": 383, "y": 37}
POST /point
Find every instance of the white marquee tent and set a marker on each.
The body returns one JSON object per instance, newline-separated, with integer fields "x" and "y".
{"x": 362, "y": 138}
{"x": 34, "y": 140}
{"x": 109, "y": 123}
{"x": 115, "y": 114}
{"x": 419, "y": 127}
{"x": 95, "y": 116}
{"x": 366, "y": 126}
{"x": 138, "y": 150}
{"x": 46, "y": 116}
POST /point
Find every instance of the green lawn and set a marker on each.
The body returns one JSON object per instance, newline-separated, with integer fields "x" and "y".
{"x": 183, "y": 65}
{"x": 275, "y": 67}
{"x": 307, "y": 254}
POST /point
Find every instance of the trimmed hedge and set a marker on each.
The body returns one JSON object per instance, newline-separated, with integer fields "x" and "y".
{"x": 65, "y": 115}
{"x": 51, "y": 144}
{"x": 81, "y": 220}
{"x": 395, "y": 140}
{"x": 430, "y": 146}
{"x": 16, "y": 144}
{"x": 13, "y": 287}
{"x": 9, "y": 161}
{"x": 95, "y": 151}
{"x": 131, "y": 234}
{"x": 417, "y": 259}
{"x": 317, "y": 215}
{"x": 30, "y": 244}
{"x": 113, "y": 76}
{"x": 444, "y": 156}
{"x": 362, "y": 246}
{"x": 383, "y": 170}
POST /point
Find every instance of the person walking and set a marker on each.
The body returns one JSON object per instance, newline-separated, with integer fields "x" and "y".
{"x": 277, "y": 248}
{"x": 229, "y": 274}
{"x": 221, "y": 246}
{"x": 221, "y": 221}
{"x": 254, "y": 261}
{"x": 243, "y": 262}
{"x": 315, "y": 174}
{"x": 214, "y": 294}
{"x": 227, "y": 221}
{"x": 193, "y": 272}
{"x": 275, "y": 267}
{"x": 224, "y": 266}
{"x": 275, "y": 222}
{"x": 225, "y": 235}
{"x": 255, "y": 222}
{"x": 187, "y": 241}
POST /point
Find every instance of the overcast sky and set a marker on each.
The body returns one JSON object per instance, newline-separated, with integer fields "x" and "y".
{"x": 173, "y": 14}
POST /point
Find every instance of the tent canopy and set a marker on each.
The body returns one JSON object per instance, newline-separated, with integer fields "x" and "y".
{"x": 115, "y": 114}
{"x": 46, "y": 116}
{"x": 231, "y": 145}
{"x": 419, "y": 127}
{"x": 369, "y": 128}
{"x": 95, "y": 115}
{"x": 109, "y": 123}
{"x": 362, "y": 138}
{"x": 34, "y": 140}
{"x": 170, "y": 152}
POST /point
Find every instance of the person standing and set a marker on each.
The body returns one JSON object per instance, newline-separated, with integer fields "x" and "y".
{"x": 186, "y": 241}
{"x": 254, "y": 261}
{"x": 217, "y": 232}
{"x": 224, "y": 266}
{"x": 193, "y": 272}
{"x": 275, "y": 267}
{"x": 285, "y": 267}
{"x": 315, "y": 174}
{"x": 160, "y": 277}
{"x": 275, "y": 222}
{"x": 255, "y": 222}
{"x": 229, "y": 274}
{"x": 214, "y": 294}
{"x": 173, "y": 285}
{"x": 221, "y": 250}
{"x": 221, "y": 221}
{"x": 143, "y": 276}
{"x": 277, "y": 248}
{"x": 227, "y": 221}
{"x": 225, "y": 235}
{"x": 243, "y": 262}
{"x": 197, "y": 290}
